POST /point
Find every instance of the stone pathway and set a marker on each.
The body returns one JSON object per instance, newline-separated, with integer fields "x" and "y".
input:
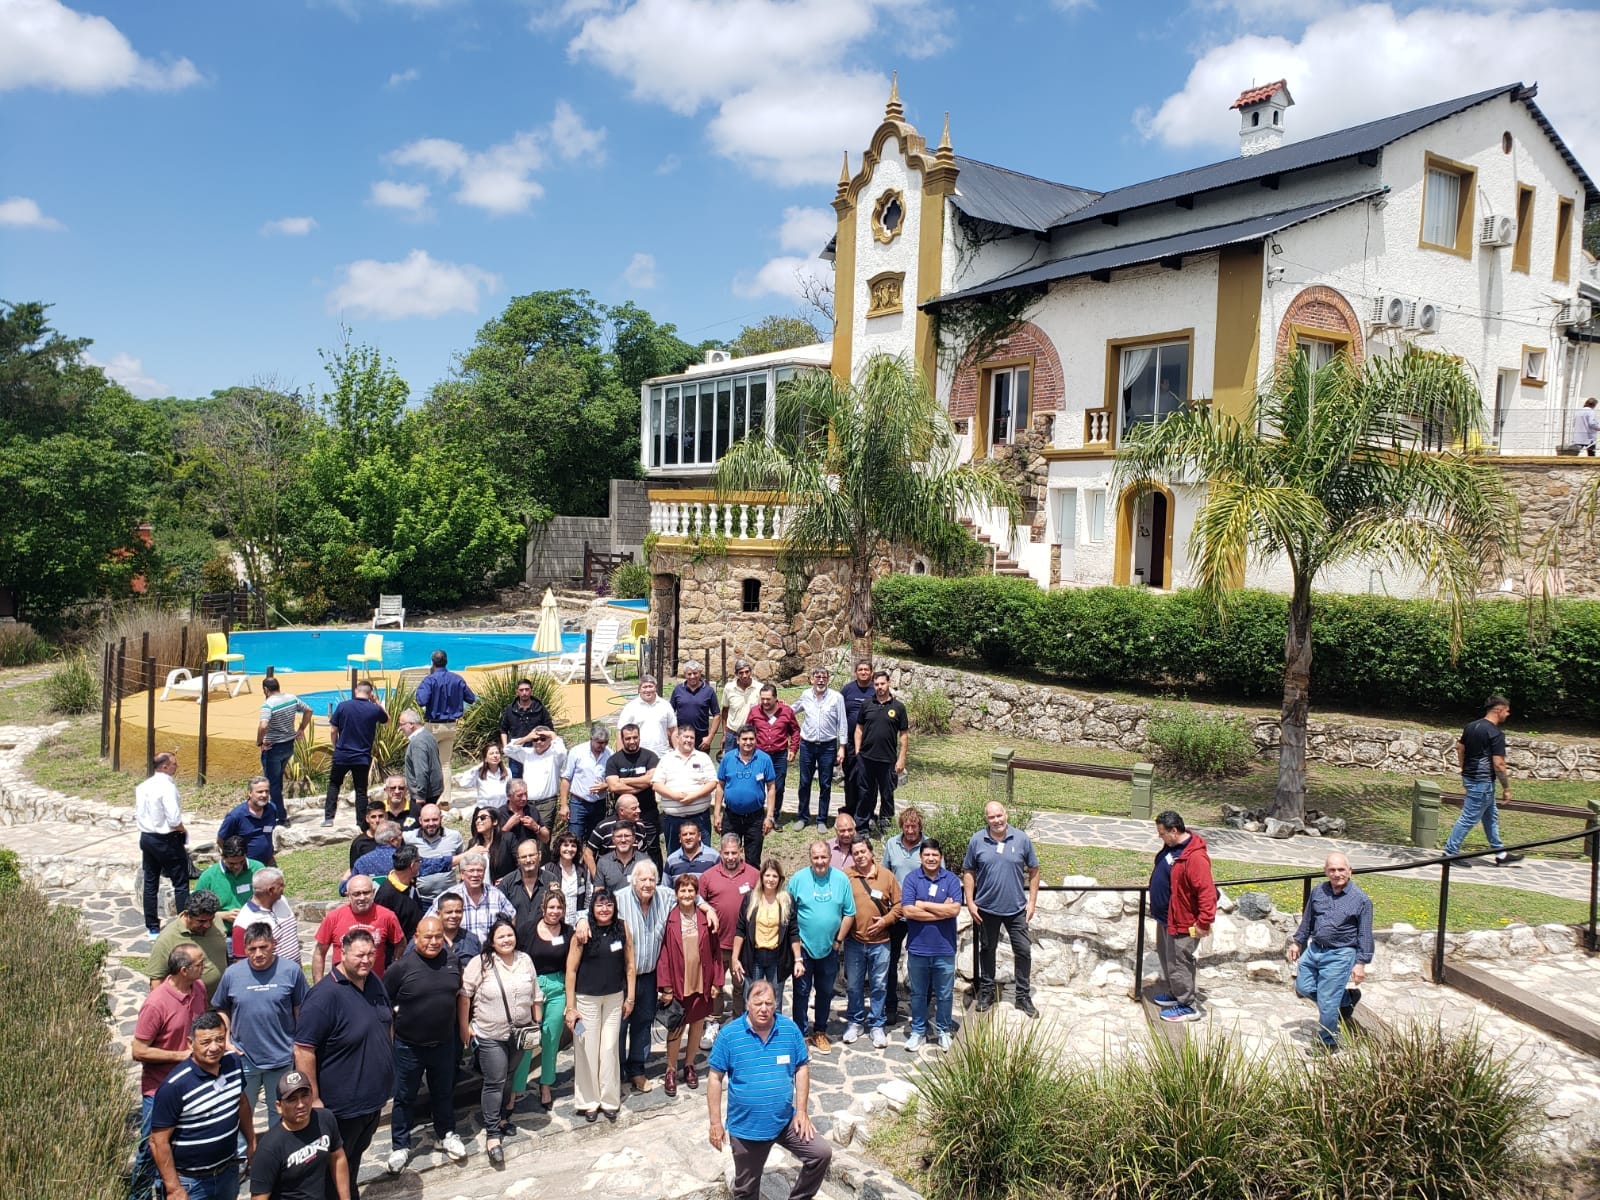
{"x": 1554, "y": 877}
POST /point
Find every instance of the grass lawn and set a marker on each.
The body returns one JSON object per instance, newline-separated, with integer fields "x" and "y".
{"x": 23, "y": 703}
{"x": 70, "y": 762}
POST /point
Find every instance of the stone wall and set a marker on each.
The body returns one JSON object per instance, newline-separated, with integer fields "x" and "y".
{"x": 1054, "y": 714}
{"x": 1545, "y": 493}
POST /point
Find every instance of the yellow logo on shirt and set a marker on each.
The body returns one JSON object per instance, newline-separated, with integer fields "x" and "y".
{"x": 890, "y": 711}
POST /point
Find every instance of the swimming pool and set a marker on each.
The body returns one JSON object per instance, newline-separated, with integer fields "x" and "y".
{"x": 641, "y": 607}
{"x": 327, "y": 649}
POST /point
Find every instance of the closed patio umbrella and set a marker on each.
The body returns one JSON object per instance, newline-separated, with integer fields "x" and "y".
{"x": 548, "y": 642}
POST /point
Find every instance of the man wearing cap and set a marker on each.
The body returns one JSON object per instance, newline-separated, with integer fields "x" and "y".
{"x": 198, "y": 1116}
{"x": 343, "y": 1045}
{"x": 302, "y": 1158}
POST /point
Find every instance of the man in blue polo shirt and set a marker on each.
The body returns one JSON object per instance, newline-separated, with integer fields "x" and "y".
{"x": 825, "y": 909}
{"x": 930, "y": 901}
{"x": 742, "y": 803}
{"x": 197, "y": 1117}
{"x": 1000, "y": 862}
{"x": 343, "y": 1045}
{"x": 762, "y": 1061}
{"x": 354, "y": 726}
{"x": 254, "y": 821}
{"x": 694, "y": 703}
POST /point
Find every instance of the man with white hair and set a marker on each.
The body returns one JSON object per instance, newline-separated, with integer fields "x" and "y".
{"x": 482, "y": 902}
{"x": 267, "y": 904}
{"x": 425, "y": 777}
{"x": 1333, "y": 946}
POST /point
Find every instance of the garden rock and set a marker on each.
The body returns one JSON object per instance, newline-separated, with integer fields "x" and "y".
{"x": 1255, "y": 906}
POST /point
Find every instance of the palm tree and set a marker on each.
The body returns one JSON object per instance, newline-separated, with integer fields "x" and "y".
{"x": 1328, "y": 468}
{"x": 865, "y": 466}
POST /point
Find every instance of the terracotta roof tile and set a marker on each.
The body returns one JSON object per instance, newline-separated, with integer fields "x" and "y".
{"x": 1257, "y": 94}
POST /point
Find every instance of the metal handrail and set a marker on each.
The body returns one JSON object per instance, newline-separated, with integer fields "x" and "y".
{"x": 1591, "y": 834}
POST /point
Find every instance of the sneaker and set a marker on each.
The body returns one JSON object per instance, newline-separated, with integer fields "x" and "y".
{"x": 1164, "y": 999}
{"x": 852, "y": 1032}
{"x": 880, "y": 1039}
{"x": 913, "y": 1042}
{"x": 451, "y": 1145}
{"x": 152, "y": 932}
{"x": 709, "y": 1036}
{"x": 327, "y": 822}
{"x": 799, "y": 826}
{"x": 822, "y": 827}
{"x": 1179, "y": 1012}
{"x": 821, "y": 1044}
{"x": 944, "y": 1042}
{"x": 397, "y": 1160}
{"x": 1505, "y": 858}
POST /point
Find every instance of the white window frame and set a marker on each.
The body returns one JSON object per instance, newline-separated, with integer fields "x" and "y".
{"x": 1011, "y": 374}
{"x": 1095, "y": 504}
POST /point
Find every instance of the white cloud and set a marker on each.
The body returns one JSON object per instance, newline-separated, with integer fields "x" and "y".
{"x": 1071, "y": 6}
{"x": 641, "y": 272}
{"x": 43, "y": 43}
{"x": 788, "y": 99}
{"x": 401, "y": 78}
{"x": 20, "y": 212}
{"x": 408, "y": 197}
{"x": 1371, "y": 61}
{"x": 289, "y": 227}
{"x": 807, "y": 229}
{"x": 500, "y": 180}
{"x": 417, "y": 286}
{"x": 782, "y": 276}
{"x": 669, "y": 164}
{"x": 130, "y": 373}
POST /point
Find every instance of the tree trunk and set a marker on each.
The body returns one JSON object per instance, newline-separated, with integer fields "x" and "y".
{"x": 1290, "y": 802}
{"x": 859, "y": 613}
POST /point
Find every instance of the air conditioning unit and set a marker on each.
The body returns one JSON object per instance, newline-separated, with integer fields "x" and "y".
{"x": 1424, "y": 317}
{"x": 1388, "y": 311}
{"x": 717, "y": 356}
{"x": 1497, "y": 231}
{"x": 1575, "y": 312}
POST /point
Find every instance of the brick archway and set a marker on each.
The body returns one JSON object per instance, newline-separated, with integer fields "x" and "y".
{"x": 1325, "y": 309}
{"x": 1026, "y": 341}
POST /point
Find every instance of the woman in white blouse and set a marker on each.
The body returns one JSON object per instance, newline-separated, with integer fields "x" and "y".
{"x": 487, "y": 781}
{"x": 499, "y": 996}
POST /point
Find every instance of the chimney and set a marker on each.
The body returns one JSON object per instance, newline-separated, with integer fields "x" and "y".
{"x": 1261, "y": 117}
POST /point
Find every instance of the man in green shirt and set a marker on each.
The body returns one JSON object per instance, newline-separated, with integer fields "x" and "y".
{"x": 197, "y": 924}
{"x": 229, "y": 881}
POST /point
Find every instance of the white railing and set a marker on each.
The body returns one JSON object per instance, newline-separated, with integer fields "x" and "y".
{"x": 699, "y": 514}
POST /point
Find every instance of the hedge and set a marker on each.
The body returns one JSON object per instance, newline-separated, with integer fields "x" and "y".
{"x": 1366, "y": 650}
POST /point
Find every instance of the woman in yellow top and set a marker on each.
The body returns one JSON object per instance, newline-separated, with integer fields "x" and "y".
{"x": 766, "y": 943}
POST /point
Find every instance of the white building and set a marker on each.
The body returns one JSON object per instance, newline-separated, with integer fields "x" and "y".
{"x": 1456, "y": 226}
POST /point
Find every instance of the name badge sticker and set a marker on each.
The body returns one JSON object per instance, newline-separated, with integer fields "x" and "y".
{"x": 616, "y": 945}
{"x": 743, "y": 888}
{"x": 558, "y": 941}
{"x": 875, "y": 893}
{"x": 783, "y": 1060}
{"x": 933, "y": 890}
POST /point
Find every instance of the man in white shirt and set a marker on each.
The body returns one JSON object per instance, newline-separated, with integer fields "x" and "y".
{"x": 823, "y": 727}
{"x": 1586, "y": 426}
{"x": 652, "y": 715}
{"x": 739, "y": 695}
{"x": 543, "y": 756}
{"x": 162, "y": 839}
{"x": 684, "y": 780}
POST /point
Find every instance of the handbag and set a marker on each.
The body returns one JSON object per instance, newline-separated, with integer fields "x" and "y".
{"x": 523, "y": 1037}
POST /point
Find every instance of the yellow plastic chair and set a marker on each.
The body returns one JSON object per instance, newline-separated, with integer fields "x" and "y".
{"x": 217, "y": 651}
{"x": 371, "y": 652}
{"x": 628, "y": 652}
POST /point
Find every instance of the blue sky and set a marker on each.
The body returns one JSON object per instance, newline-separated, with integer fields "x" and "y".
{"x": 210, "y": 190}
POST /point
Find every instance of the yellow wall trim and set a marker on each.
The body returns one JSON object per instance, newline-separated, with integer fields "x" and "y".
{"x": 1114, "y": 349}
{"x": 1522, "y": 248}
{"x": 1562, "y": 271}
{"x": 1237, "y": 354}
{"x": 1122, "y": 557}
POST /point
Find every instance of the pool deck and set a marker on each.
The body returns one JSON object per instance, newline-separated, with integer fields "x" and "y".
{"x": 231, "y": 720}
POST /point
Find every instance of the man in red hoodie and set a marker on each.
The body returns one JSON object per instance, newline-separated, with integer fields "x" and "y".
{"x": 1183, "y": 900}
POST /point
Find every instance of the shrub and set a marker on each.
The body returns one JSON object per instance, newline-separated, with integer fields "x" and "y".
{"x": 929, "y": 710}
{"x": 1202, "y": 745}
{"x": 21, "y": 646}
{"x": 217, "y": 574}
{"x": 10, "y": 870}
{"x": 497, "y": 693}
{"x": 955, "y": 823}
{"x": 389, "y": 743}
{"x": 86, "y": 1088}
{"x": 630, "y": 581}
{"x": 73, "y": 689}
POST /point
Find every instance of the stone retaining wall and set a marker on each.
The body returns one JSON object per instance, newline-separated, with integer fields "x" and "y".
{"x": 1054, "y": 714}
{"x": 22, "y": 801}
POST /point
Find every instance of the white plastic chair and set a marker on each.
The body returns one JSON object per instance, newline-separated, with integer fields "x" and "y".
{"x": 185, "y": 684}
{"x": 391, "y": 610}
{"x": 606, "y": 633}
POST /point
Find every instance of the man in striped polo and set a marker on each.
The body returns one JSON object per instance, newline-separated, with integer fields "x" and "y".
{"x": 276, "y": 736}
{"x": 198, "y": 1115}
{"x": 761, "y": 1060}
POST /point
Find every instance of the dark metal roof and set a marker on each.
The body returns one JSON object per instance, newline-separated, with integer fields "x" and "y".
{"x": 1173, "y": 246}
{"x": 990, "y": 193}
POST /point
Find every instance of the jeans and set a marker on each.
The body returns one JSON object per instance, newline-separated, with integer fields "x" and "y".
{"x": 897, "y": 944}
{"x": 273, "y": 760}
{"x": 263, "y": 1079}
{"x": 1177, "y": 957}
{"x": 670, "y": 826}
{"x": 356, "y": 1133}
{"x": 817, "y": 759}
{"x": 876, "y": 782}
{"x": 163, "y": 854}
{"x": 1478, "y": 806}
{"x": 634, "y": 1038}
{"x": 360, "y": 774}
{"x": 1016, "y": 927}
{"x": 780, "y": 776}
{"x": 496, "y": 1060}
{"x": 821, "y": 974}
{"x": 750, "y": 1159}
{"x": 931, "y": 977}
{"x": 224, "y": 1185}
{"x": 142, "y": 1182}
{"x": 751, "y": 828}
{"x": 865, "y": 961}
{"x": 765, "y": 967}
{"x": 413, "y": 1063}
{"x": 1323, "y": 976}
{"x": 584, "y": 815}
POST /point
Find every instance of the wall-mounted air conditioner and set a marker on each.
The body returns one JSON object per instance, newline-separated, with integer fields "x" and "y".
{"x": 1575, "y": 312}
{"x": 717, "y": 356}
{"x": 1497, "y": 231}
{"x": 1423, "y": 317}
{"x": 1387, "y": 312}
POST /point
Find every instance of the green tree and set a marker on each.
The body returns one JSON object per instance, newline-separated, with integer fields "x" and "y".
{"x": 641, "y": 348}
{"x": 777, "y": 332}
{"x": 1329, "y": 468}
{"x": 874, "y": 463}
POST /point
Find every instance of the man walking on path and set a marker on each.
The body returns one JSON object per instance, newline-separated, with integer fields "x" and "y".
{"x": 161, "y": 1041}
{"x": 1333, "y": 946}
{"x": 162, "y": 838}
{"x": 443, "y": 696}
{"x": 1481, "y": 755}
{"x": 881, "y": 737}
{"x": 354, "y": 727}
{"x": 276, "y": 736}
{"x": 261, "y": 995}
{"x": 1000, "y": 861}
{"x": 762, "y": 1062}
{"x": 425, "y": 774}
{"x": 824, "y": 729}
{"x": 1183, "y": 901}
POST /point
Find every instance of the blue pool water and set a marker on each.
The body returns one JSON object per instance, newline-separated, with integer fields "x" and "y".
{"x": 639, "y": 606}
{"x": 326, "y": 649}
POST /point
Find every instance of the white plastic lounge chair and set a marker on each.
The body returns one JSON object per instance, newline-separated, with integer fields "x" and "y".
{"x": 182, "y": 682}
{"x": 391, "y": 610}
{"x": 605, "y": 644}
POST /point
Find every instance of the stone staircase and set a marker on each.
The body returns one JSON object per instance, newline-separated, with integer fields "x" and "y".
{"x": 1004, "y": 564}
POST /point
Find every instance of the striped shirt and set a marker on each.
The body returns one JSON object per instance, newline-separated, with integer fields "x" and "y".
{"x": 647, "y": 929}
{"x": 477, "y": 918}
{"x": 279, "y": 713}
{"x": 202, "y": 1110}
{"x": 822, "y": 718}
{"x": 760, "y": 1076}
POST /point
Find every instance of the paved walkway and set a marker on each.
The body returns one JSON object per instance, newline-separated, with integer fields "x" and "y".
{"x": 1554, "y": 877}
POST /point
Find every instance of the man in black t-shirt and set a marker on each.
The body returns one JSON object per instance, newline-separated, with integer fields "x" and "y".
{"x": 303, "y": 1158}
{"x": 1481, "y": 755}
{"x": 521, "y": 718}
{"x": 881, "y": 737}
{"x": 629, "y": 772}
